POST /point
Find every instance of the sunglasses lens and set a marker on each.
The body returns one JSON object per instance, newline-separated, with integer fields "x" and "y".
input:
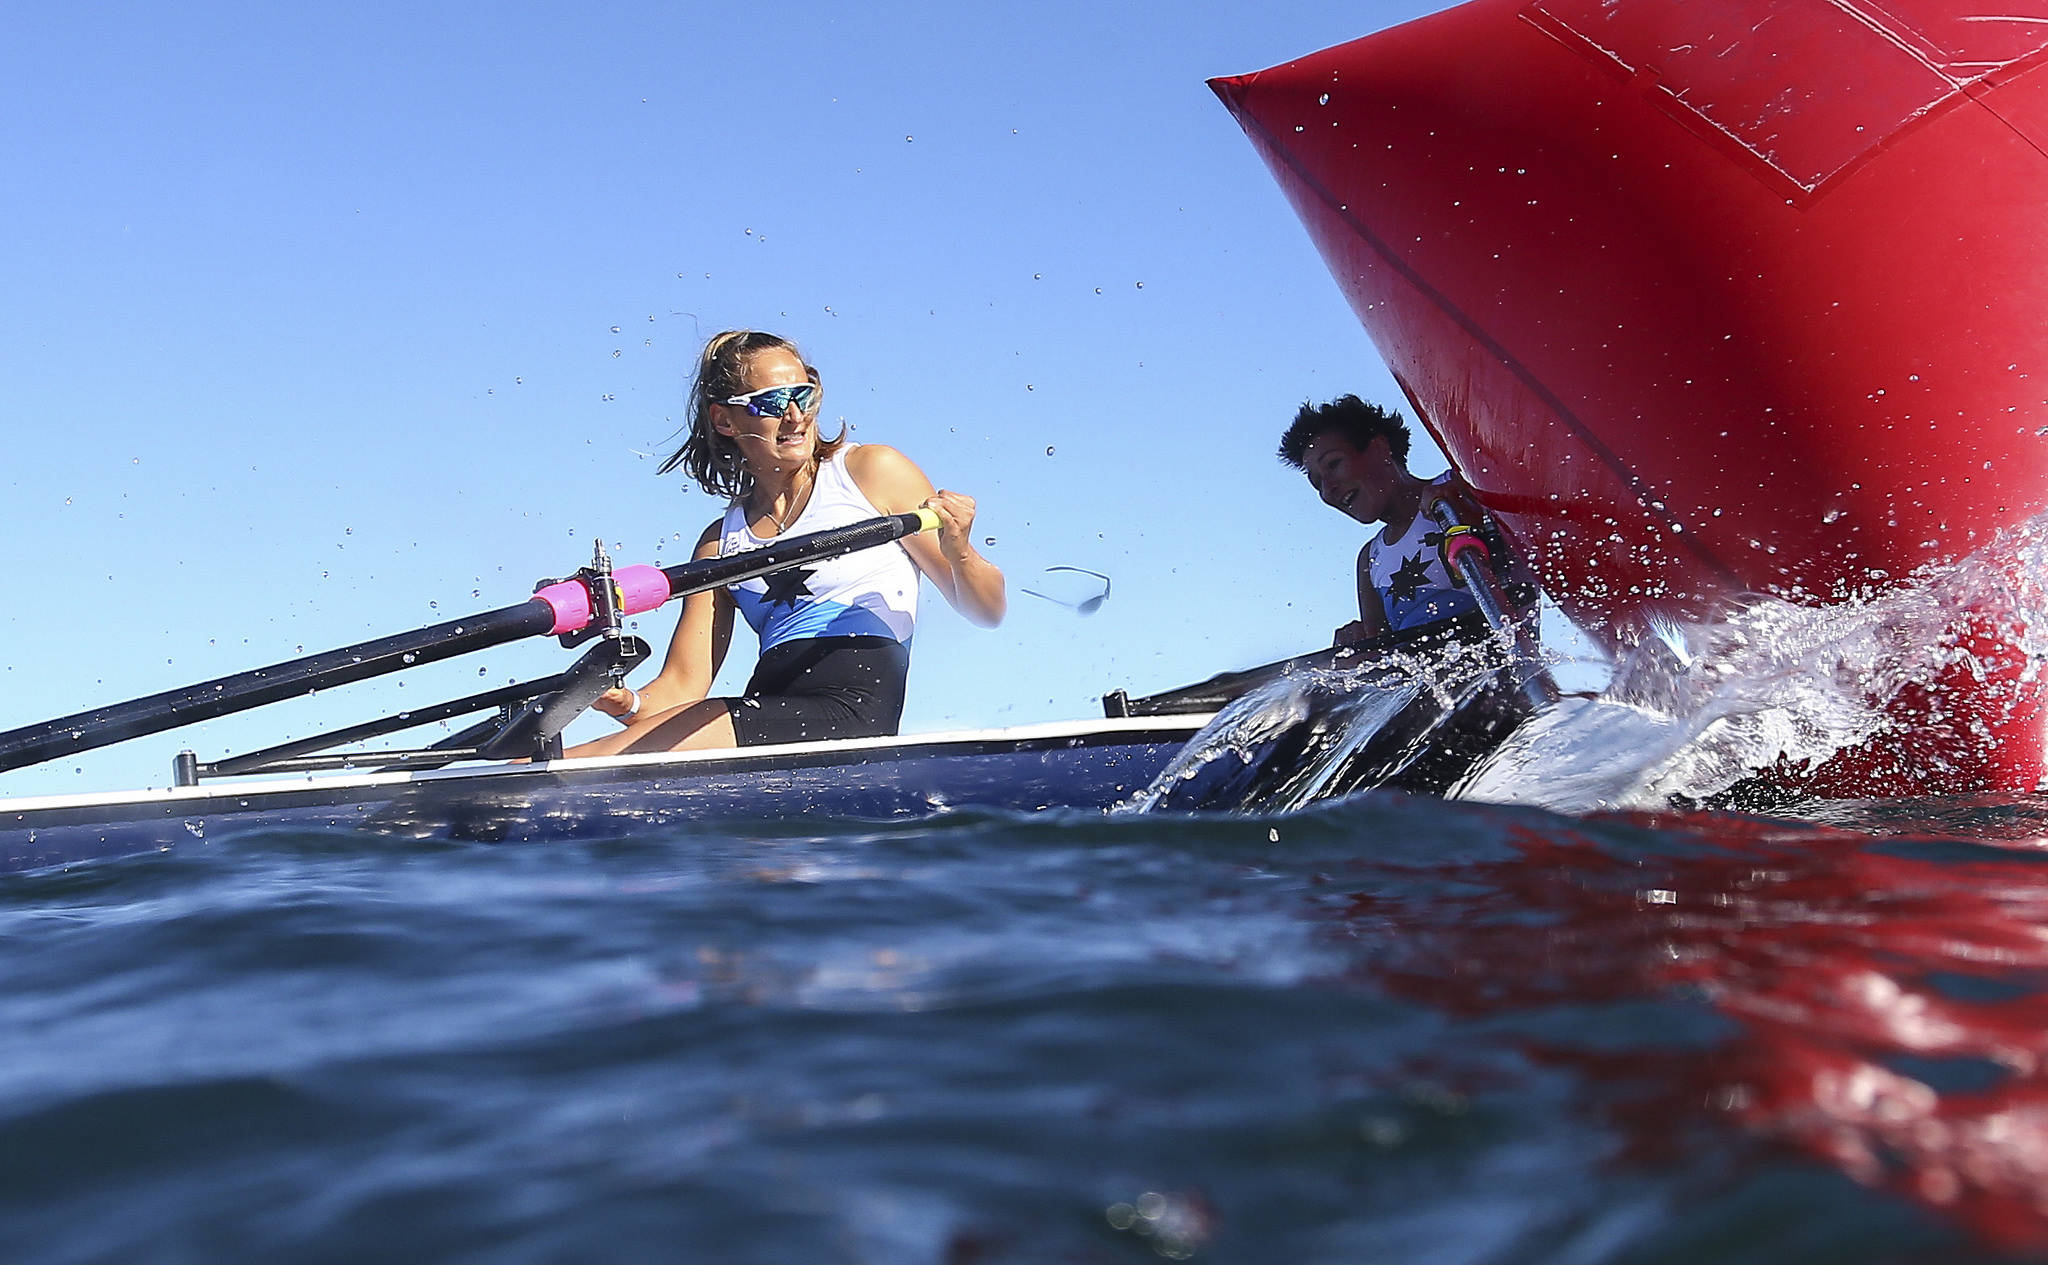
{"x": 776, "y": 401}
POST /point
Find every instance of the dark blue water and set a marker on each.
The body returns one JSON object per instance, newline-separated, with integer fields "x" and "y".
{"x": 1386, "y": 1029}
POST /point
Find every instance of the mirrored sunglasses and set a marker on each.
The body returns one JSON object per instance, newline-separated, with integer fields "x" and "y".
{"x": 775, "y": 401}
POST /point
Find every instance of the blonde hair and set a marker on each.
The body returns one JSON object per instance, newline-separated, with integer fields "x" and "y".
{"x": 713, "y": 460}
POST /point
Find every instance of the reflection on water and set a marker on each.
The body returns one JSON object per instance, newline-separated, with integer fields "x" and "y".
{"x": 1386, "y": 1027}
{"x": 1887, "y": 996}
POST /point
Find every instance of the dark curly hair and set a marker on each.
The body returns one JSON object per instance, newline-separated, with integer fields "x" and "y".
{"x": 1352, "y": 419}
{"x": 713, "y": 460}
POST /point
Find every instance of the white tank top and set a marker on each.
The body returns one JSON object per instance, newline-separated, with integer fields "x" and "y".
{"x": 871, "y": 593}
{"x": 1409, "y": 574}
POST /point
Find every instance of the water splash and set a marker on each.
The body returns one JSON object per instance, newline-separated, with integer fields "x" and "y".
{"x": 1696, "y": 709}
{"x": 1313, "y": 733}
{"x": 1916, "y": 682}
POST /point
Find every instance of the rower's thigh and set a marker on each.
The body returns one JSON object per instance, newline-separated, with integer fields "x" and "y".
{"x": 703, "y": 724}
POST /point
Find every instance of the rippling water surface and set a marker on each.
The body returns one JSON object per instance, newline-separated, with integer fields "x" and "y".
{"x": 1382, "y": 1029}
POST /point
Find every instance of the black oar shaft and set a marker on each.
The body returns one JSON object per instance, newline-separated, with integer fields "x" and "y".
{"x": 695, "y": 577}
{"x": 118, "y": 722}
{"x": 1531, "y": 676}
{"x": 191, "y": 704}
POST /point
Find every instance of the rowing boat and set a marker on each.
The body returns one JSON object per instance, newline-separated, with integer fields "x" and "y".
{"x": 1087, "y": 765}
{"x": 1302, "y": 738}
{"x": 528, "y": 790}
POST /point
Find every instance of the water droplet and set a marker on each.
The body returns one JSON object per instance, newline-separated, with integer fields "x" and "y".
{"x": 908, "y": 139}
{"x": 1048, "y": 450}
{"x": 988, "y": 540}
{"x": 1324, "y": 99}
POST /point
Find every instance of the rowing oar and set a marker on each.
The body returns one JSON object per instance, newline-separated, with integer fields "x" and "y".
{"x": 556, "y": 610}
{"x": 1465, "y": 551}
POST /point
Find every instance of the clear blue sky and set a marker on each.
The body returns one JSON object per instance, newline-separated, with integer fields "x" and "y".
{"x": 323, "y": 323}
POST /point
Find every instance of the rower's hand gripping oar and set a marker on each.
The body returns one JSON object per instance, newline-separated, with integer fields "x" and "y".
{"x": 557, "y": 610}
{"x": 1466, "y": 553}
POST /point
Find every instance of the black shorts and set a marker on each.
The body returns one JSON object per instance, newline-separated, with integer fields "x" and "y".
{"x": 823, "y": 687}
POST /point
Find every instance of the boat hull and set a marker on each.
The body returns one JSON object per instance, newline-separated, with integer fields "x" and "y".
{"x": 1710, "y": 300}
{"x": 1083, "y": 766}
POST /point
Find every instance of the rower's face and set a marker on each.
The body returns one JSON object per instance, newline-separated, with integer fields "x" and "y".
{"x": 787, "y": 439}
{"x": 1351, "y": 480}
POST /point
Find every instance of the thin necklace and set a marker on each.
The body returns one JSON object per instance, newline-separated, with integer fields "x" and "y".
{"x": 796, "y": 507}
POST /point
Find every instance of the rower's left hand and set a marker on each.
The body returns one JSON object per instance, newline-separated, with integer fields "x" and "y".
{"x": 956, "y": 523}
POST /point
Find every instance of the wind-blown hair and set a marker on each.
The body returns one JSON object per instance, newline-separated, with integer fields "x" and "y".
{"x": 710, "y": 459}
{"x": 1353, "y": 420}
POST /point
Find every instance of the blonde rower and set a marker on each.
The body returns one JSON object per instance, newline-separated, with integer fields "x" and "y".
{"x": 835, "y": 635}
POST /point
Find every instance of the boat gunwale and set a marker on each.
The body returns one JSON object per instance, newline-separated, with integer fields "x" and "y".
{"x": 297, "y": 790}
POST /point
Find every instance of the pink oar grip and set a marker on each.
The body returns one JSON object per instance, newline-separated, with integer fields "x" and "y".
{"x": 1460, "y": 543}
{"x": 640, "y": 588}
{"x": 571, "y": 603}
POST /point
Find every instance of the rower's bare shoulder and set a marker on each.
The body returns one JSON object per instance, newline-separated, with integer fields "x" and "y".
{"x": 888, "y": 478}
{"x": 708, "y": 542}
{"x": 877, "y": 460}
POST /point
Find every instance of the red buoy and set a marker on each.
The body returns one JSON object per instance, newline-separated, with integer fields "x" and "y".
{"x": 1710, "y": 299}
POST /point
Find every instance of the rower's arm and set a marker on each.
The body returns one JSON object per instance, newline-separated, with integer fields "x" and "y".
{"x": 697, "y": 651}
{"x": 895, "y": 485}
{"x": 703, "y": 634}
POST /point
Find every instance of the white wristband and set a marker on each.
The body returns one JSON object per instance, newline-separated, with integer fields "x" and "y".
{"x": 632, "y": 711}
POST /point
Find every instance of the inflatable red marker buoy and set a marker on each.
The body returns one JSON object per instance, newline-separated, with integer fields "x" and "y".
{"x": 1705, "y": 300}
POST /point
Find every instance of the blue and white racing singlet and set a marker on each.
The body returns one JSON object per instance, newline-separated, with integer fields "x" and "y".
{"x": 870, "y": 593}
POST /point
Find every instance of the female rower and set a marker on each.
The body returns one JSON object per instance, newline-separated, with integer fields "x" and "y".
{"x": 835, "y": 635}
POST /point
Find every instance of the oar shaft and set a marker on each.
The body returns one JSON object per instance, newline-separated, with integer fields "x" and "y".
{"x": 1531, "y": 676}
{"x": 191, "y": 704}
{"x": 559, "y": 608}
{"x": 710, "y": 573}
